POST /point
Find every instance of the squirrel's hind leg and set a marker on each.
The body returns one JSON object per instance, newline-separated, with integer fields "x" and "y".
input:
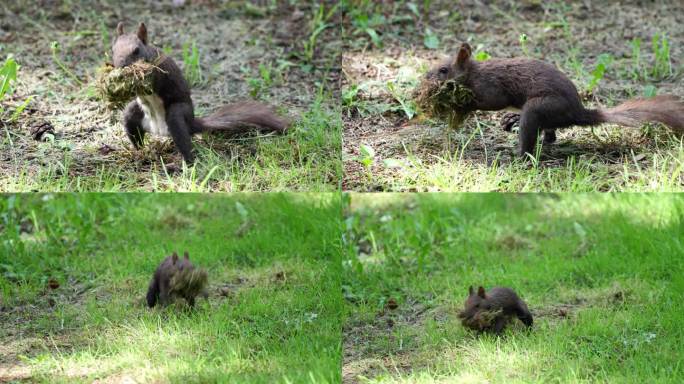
{"x": 511, "y": 119}
{"x": 132, "y": 118}
{"x": 179, "y": 117}
{"x": 542, "y": 114}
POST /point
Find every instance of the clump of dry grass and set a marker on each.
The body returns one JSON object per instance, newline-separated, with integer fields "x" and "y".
{"x": 117, "y": 86}
{"x": 189, "y": 282}
{"x": 443, "y": 99}
{"x": 482, "y": 320}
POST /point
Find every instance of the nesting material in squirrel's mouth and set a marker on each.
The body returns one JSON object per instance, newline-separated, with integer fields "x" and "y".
{"x": 443, "y": 99}
{"x": 189, "y": 281}
{"x": 118, "y": 86}
{"x": 481, "y": 320}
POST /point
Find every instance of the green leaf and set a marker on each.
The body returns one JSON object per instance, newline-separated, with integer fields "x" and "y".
{"x": 482, "y": 56}
{"x": 431, "y": 40}
{"x": 413, "y": 8}
{"x": 8, "y": 73}
{"x": 374, "y": 37}
{"x": 349, "y": 94}
{"x": 367, "y": 152}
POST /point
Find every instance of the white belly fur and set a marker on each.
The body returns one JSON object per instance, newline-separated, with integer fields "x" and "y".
{"x": 154, "y": 121}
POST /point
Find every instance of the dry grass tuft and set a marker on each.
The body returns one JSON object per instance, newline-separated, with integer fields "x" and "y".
{"x": 482, "y": 320}
{"x": 444, "y": 99}
{"x": 117, "y": 86}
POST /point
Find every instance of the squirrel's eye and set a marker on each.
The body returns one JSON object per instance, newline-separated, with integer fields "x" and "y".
{"x": 444, "y": 70}
{"x": 136, "y": 51}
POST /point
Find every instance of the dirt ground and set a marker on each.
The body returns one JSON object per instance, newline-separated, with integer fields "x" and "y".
{"x": 234, "y": 39}
{"x": 571, "y": 36}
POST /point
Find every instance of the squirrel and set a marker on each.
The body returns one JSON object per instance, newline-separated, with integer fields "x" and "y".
{"x": 176, "y": 278}
{"x": 546, "y": 97}
{"x": 169, "y": 110}
{"x": 491, "y": 311}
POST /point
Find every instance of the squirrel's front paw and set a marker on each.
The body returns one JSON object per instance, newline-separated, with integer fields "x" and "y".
{"x": 509, "y": 120}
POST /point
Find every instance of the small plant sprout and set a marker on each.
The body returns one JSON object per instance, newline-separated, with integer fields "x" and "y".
{"x": 367, "y": 158}
{"x": 8, "y": 74}
{"x": 191, "y": 64}
{"x": 661, "y": 55}
{"x": 636, "y": 56}
{"x": 318, "y": 25}
{"x": 407, "y": 106}
{"x": 482, "y": 56}
{"x": 55, "y": 57}
{"x": 364, "y": 24}
{"x": 604, "y": 61}
{"x": 662, "y": 63}
{"x": 367, "y": 155}
{"x": 258, "y": 84}
{"x": 349, "y": 96}
{"x": 523, "y": 43}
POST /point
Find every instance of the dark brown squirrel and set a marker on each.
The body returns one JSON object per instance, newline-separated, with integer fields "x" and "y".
{"x": 492, "y": 311}
{"x": 177, "y": 278}
{"x": 169, "y": 110}
{"x": 546, "y": 98}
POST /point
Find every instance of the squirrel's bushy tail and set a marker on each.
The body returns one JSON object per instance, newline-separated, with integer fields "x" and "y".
{"x": 665, "y": 109}
{"x": 242, "y": 117}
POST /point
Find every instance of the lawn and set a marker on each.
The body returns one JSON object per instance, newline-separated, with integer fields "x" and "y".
{"x": 58, "y": 136}
{"x": 611, "y": 51}
{"x": 75, "y": 270}
{"x": 602, "y": 275}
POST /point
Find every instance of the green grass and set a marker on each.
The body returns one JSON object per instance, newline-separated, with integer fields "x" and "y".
{"x": 276, "y": 257}
{"x": 304, "y": 159}
{"x": 191, "y": 64}
{"x": 601, "y": 273}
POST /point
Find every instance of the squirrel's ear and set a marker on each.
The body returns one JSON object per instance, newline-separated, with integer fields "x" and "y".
{"x": 470, "y": 290}
{"x": 142, "y": 33}
{"x": 463, "y": 54}
{"x": 119, "y": 29}
{"x": 481, "y": 292}
{"x": 174, "y": 257}
{"x": 186, "y": 256}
